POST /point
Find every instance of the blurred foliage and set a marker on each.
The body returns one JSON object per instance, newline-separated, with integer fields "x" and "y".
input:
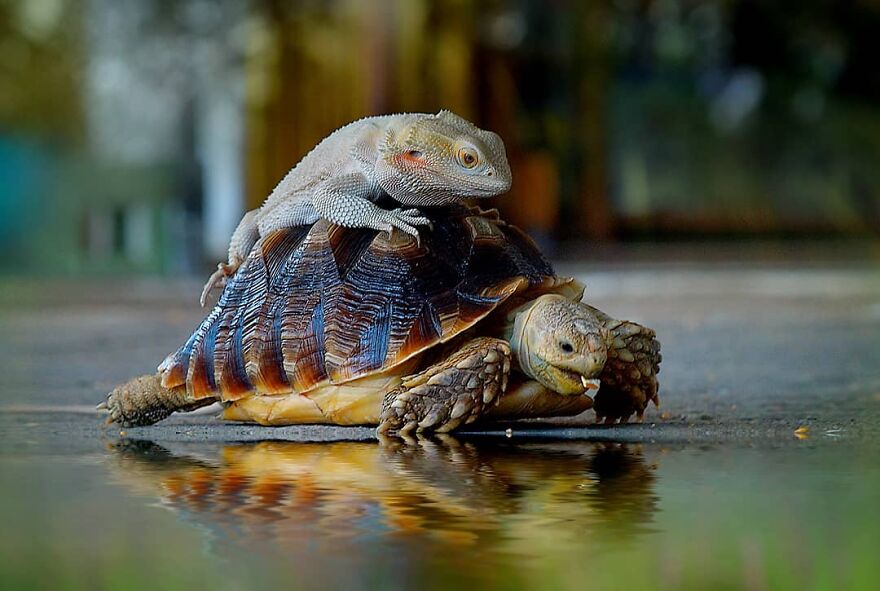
{"x": 41, "y": 56}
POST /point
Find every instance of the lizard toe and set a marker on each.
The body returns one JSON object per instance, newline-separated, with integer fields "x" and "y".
{"x": 415, "y": 217}
{"x": 404, "y": 225}
{"x": 413, "y": 214}
{"x": 406, "y": 228}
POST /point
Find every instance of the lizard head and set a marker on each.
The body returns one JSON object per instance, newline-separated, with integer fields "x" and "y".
{"x": 438, "y": 159}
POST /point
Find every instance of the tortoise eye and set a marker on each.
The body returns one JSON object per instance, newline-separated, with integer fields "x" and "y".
{"x": 566, "y": 347}
{"x": 468, "y": 157}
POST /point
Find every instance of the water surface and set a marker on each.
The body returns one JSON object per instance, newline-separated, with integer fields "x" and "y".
{"x": 503, "y": 513}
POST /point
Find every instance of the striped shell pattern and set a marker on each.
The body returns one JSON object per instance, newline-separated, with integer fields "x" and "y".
{"x": 322, "y": 303}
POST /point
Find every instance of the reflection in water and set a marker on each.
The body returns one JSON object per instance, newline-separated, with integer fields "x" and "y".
{"x": 305, "y": 499}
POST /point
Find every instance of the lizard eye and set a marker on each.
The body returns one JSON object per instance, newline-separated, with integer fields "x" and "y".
{"x": 468, "y": 157}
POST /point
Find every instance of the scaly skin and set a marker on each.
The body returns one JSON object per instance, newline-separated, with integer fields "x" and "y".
{"x": 453, "y": 392}
{"x": 143, "y": 401}
{"x": 418, "y": 159}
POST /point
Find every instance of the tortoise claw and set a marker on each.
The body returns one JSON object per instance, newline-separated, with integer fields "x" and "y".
{"x": 408, "y": 427}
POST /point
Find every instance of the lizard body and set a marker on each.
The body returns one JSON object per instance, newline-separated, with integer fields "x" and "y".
{"x": 418, "y": 159}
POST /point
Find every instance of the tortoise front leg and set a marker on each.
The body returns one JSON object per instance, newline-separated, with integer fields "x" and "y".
{"x": 450, "y": 393}
{"x": 629, "y": 378}
{"x": 144, "y": 401}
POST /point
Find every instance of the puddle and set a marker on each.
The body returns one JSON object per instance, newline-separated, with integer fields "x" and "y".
{"x": 494, "y": 512}
{"x": 490, "y": 497}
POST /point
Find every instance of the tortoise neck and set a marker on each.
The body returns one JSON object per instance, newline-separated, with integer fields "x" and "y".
{"x": 517, "y": 336}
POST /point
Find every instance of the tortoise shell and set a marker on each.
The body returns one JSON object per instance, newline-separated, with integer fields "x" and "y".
{"x": 320, "y": 303}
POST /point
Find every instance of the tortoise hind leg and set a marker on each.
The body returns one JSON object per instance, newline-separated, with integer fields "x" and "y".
{"x": 144, "y": 401}
{"x": 450, "y": 393}
{"x": 629, "y": 379}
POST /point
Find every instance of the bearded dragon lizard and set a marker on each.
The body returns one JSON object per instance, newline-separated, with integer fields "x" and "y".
{"x": 418, "y": 159}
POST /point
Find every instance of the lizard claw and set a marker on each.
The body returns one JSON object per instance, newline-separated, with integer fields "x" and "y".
{"x": 218, "y": 277}
{"x": 412, "y": 232}
{"x": 415, "y": 217}
{"x": 407, "y": 220}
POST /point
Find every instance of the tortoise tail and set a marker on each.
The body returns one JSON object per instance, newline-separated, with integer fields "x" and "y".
{"x": 144, "y": 401}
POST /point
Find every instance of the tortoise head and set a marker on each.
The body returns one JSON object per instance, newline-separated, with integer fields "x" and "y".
{"x": 560, "y": 343}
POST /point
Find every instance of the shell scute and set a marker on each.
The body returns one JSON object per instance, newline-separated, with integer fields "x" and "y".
{"x": 261, "y": 345}
{"x": 239, "y": 317}
{"x": 200, "y": 376}
{"x": 311, "y": 289}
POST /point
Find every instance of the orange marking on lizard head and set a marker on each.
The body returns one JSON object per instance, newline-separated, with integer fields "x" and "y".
{"x": 414, "y": 157}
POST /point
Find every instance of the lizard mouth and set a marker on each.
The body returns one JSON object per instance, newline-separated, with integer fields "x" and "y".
{"x": 491, "y": 187}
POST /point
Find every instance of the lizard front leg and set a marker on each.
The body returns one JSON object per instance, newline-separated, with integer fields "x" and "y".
{"x": 345, "y": 201}
{"x": 243, "y": 239}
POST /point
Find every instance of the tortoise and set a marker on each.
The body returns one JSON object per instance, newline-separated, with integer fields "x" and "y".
{"x": 349, "y": 326}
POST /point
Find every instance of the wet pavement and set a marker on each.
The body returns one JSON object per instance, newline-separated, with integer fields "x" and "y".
{"x": 759, "y": 470}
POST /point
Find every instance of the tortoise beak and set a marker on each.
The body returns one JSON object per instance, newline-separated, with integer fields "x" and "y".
{"x": 590, "y": 384}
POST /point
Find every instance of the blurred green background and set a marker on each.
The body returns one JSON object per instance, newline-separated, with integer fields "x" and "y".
{"x": 134, "y": 133}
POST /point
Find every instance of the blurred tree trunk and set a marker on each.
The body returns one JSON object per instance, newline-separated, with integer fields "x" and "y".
{"x": 322, "y": 65}
{"x": 303, "y": 87}
{"x": 594, "y": 215}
